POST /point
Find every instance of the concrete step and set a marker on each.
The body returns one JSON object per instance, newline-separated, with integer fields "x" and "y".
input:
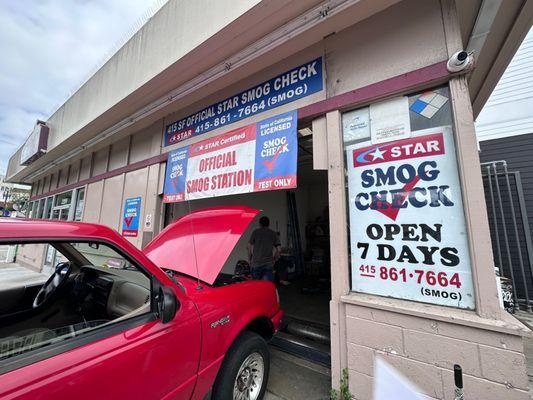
{"x": 294, "y": 378}
{"x": 304, "y": 348}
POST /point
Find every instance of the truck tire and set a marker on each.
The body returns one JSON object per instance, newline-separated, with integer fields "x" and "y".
{"x": 244, "y": 371}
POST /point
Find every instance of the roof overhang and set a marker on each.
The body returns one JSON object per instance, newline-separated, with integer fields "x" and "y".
{"x": 230, "y": 56}
{"x": 495, "y": 31}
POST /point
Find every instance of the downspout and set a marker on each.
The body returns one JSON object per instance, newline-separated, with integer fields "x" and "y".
{"x": 484, "y": 20}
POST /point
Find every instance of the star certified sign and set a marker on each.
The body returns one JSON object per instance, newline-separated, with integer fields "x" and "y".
{"x": 407, "y": 227}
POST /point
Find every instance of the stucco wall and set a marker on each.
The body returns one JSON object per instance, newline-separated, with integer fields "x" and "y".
{"x": 31, "y": 256}
{"x": 402, "y": 38}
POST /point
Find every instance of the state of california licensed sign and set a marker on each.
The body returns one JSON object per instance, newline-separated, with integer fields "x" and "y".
{"x": 254, "y": 158}
{"x": 407, "y": 227}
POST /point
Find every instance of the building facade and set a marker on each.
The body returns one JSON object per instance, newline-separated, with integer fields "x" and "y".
{"x": 362, "y": 90}
{"x": 12, "y": 193}
{"x": 505, "y": 133}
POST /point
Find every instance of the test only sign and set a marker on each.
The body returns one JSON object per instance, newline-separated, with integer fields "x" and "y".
{"x": 257, "y": 157}
{"x": 407, "y": 227}
{"x": 130, "y": 219}
{"x": 290, "y": 86}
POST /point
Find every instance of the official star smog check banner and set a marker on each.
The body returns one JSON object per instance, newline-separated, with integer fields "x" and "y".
{"x": 287, "y": 87}
{"x": 254, "y": 158}
{"x": 407, "y": 227}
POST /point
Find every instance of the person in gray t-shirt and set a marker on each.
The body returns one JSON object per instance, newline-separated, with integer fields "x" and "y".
{"x": 263, "y": 251}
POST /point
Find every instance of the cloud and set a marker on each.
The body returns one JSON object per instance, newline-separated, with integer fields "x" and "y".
{"x": 48, "y": 48}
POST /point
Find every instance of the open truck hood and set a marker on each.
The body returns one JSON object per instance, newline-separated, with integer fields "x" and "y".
{"x": 198, "y": 244}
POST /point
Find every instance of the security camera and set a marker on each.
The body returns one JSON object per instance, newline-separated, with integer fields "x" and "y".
{"x": 459, "y": 61}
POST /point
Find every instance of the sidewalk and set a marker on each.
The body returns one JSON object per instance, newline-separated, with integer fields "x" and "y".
{"x": 14, "y": 276}
{"x": 292, "y": 378}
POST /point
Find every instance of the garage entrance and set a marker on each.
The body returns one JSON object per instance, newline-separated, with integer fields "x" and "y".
{"x": 302, "y": 275}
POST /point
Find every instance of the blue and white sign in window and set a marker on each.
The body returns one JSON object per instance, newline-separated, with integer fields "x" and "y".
{"x": 428, "y": 104}
{"x": 130, "y": 219}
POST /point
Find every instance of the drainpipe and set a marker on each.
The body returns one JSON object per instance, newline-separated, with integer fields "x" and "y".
{"x": 484, "y": 20}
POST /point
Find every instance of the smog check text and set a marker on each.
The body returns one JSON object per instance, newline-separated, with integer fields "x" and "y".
{"x": 418, "y": 190}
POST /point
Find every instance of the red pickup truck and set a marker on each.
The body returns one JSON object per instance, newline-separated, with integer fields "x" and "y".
{"x": 84, "y": 314}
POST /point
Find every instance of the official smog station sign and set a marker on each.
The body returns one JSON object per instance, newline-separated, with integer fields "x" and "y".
{"x": 407, "y": 226}
{"x": 254, "y": 158}
{"x": 130, "y": 219}
{"x": 292, "y": 85}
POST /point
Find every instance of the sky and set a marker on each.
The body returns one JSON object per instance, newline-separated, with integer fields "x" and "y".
{"x": 48, "y": 48}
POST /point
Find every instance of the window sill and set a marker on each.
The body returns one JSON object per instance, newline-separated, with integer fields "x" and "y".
{"x": 505, "y": 324}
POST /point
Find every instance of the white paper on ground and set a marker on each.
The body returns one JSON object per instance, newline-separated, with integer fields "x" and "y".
{"x": 390, "y": 384}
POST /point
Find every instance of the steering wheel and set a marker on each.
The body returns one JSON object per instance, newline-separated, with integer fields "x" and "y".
{"x": 55, "y": 282}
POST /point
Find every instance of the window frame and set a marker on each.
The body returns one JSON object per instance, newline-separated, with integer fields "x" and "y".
{"x": 48, "y": 205}
{"x": 99, "y": 333}
{"x": 411, "y": 93}
{"x": 77, "y": 193}
{"x": 41, "y": 203}
{"x": 30, "y": 209}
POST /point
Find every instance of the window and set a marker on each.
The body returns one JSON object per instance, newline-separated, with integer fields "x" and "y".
{"x": 406, "y": 219}
{"x": 90, "y": 286}
{"x": 80, "y": 202}
{"x": 67, "y": 206}
{"x": 40, "y": 209}
{"x": 60, "y": 214}
{"x": 47, "y": 213}
{"x": 63, "y": 199}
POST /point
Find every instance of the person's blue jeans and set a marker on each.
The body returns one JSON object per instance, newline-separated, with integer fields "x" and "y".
{"x": 263, "y": 272}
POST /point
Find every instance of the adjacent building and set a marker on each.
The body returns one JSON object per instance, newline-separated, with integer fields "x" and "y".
{"x": 505, "y": 133}
{"x": 13, "y": 193}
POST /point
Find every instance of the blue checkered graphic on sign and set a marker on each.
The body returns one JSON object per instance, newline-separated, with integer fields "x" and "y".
{"x": 418, "y": 106}
{"x": 428, "y": 104}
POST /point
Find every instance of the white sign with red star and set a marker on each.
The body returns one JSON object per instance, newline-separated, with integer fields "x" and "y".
{"x": 407, "y": 227}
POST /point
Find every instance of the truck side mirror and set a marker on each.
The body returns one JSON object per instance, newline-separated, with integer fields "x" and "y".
{"x": 167, "y": 304}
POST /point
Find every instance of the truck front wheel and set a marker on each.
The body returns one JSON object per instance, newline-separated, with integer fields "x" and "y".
{"x": 244, "y": 372}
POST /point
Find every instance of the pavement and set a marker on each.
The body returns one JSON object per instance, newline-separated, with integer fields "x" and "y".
{"x": 293, "y": 378}
{"x": 13, "y": 275}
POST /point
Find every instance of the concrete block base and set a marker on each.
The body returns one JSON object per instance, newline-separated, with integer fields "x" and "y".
{"x": 423, "y": 345}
